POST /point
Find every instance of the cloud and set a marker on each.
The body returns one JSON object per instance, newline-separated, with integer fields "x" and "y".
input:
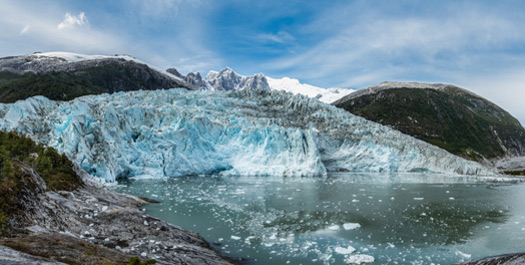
{"x": 403, "y": 46}
{"x": 24, "y": 30}
{"x": 72, "y": 21}
{"x": 161, "y": 10}
{"x": 281, "y": 37}
{"x": 34, "y": 28}
{"x": 505, "y": 88}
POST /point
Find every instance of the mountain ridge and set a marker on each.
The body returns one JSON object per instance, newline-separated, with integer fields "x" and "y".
{"x": 74, "y": 75}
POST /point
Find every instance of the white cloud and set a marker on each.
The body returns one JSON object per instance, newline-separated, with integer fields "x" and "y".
{"x": 280, "y": 37}
{"x": 505, "y": 88}
{"x": 24, "y": 30}
{"x": 161, "y": 9}
{"x": 402, "y": 46}
{"x": 70, "y": 21}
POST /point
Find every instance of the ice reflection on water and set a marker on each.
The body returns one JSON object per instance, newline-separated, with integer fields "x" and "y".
{"x": 404, "y": 219}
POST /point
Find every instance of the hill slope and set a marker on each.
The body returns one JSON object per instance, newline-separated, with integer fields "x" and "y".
{"x": 444, "y": 115}
{"x": 64, "y": 76}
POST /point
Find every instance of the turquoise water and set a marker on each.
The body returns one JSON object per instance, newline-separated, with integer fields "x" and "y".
{"x": 396, "y": 219}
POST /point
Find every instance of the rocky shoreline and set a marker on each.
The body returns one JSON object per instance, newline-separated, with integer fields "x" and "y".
{"x": 94, "y": 225}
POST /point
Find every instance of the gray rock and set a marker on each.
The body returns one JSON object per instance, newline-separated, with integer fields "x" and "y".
{"x": 10, "y": 256}
{"x": 508, "y": 259}
{"x": 112, "y": 220}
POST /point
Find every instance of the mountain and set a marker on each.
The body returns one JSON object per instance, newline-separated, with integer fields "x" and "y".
{"x": 64, "y": 76}
{"x": 178, "y": 132}
{"x": 447, "y": 116}
{"x": 227, "y": 79}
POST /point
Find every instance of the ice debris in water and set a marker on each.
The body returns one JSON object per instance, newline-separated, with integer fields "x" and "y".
{"x": 465, "y": 255}
{"x": 359, "y": 259}
{"x": 344, "y": 251}
{"x": 351, "y": 226}
{"x": 334, "y": 227}
{"x": 177, "y": 132}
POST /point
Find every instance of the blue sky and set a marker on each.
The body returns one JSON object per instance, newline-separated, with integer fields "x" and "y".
{"x": 478, "y": 45}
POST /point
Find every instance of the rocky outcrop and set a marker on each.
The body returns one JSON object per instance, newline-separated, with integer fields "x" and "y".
{"x": 508, "y": 259}
{"x": 227, "y": 80}
{"x": 103, "y": 220}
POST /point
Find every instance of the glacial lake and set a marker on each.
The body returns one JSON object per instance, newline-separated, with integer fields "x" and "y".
{"x": 396, "y": 219}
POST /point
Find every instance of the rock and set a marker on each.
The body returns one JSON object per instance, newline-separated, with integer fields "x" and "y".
{"x": 507, "y": 259}
{"x": 118, "y": 232}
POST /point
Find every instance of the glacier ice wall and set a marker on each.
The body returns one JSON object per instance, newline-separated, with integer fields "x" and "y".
{"x": 178, "y": 132}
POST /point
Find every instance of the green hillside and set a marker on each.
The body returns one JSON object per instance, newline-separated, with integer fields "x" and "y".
{"x": 451, "y": 118}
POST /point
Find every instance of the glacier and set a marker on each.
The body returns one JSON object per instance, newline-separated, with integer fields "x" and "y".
{"x": 176, "y": 132}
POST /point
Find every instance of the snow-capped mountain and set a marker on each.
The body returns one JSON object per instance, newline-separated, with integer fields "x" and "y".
{"x": 129, "y": 73}
{"x": 178, "y": 132}
{"x": 44, "y": 62}
{"x": 227, "y": 79}
{"x": 65, "y": 76}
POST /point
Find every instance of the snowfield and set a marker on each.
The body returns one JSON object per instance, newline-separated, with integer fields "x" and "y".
{"x": 326, "y": 95}
{"x": 171, "y": 133}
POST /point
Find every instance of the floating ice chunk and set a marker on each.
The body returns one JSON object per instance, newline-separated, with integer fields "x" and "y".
{"x": 463, "y": 254}
{"x": 360, "y": 258}
{"x": 451, "y": 198}
{"x": 235, "y": 237}
{"x": 351, "y": 226}
{"x": 334, "y": 227}
{"x": 344, "y": 251}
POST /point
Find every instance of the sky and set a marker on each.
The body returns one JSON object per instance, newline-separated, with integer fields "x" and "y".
{"x": 478, "y": 45}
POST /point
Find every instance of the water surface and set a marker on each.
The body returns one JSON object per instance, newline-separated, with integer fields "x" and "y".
{"x": 403, "y": 219}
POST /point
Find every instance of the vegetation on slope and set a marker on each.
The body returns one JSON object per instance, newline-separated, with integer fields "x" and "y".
{"x": 452, "y": 119}
{"x": 70, "y": 250}
{"x": 66, "y": 85}
{"x": 18, "y": 154}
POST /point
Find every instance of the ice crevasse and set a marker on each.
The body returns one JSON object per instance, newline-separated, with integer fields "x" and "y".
{"x": 170, "y": 133}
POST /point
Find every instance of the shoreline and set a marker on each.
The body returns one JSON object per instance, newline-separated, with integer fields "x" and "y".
{"x": 77, "y": 227}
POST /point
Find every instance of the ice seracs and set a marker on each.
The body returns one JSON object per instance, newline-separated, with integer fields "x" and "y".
{"x": 170, "y": 133}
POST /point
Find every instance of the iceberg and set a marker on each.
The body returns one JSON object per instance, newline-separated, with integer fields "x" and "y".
{"x": 176, "y": 132}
